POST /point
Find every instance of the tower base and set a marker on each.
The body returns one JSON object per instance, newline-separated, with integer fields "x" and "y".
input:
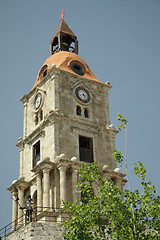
{"x": 38, "y": 231}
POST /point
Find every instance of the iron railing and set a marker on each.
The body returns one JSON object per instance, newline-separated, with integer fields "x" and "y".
{"x": 43, "y": 214}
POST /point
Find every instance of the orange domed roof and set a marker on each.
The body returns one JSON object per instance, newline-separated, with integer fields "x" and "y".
{"x": 69, "y": 62}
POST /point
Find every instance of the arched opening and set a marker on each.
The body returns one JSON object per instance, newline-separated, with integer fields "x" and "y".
{"x": 86, "y": 113}
{"x": 77, "y": 68}
{"x": 78, "y": 110}
{"x": 41, "y": 115}
{"x": 43, "y": 72}
{"x": 36, "y": 119}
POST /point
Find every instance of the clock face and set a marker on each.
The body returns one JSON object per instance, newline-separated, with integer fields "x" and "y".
{"x": 82, "y": 95}
{"x": 38, "y": 100}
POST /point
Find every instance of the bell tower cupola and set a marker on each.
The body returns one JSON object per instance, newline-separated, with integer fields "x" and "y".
{"x": 64, "y": 39}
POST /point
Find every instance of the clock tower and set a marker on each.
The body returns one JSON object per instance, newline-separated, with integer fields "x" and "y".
{"x": 66, "y": 123}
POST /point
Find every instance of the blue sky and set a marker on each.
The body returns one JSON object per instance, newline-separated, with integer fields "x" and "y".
{"x": 120, "y": 41}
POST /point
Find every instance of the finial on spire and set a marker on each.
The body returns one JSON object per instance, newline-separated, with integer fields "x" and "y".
{"x": 62, "y": 15}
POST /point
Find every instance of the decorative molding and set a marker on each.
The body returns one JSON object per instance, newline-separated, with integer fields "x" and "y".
{"x": 114, "y": 175}
{"x": 82, "y": 83}
{"x": 20, "y": 143}
{"x": 18, "y": 183}
{"x": 111, "y": 130}
{"x": 37, "y": 133}
{"x": 38, "y": 89}
{"x": 42, "y": 165}
{"x": 75, "y": 60}
{"x": 24, "y": 99}
{"x": 87, "y": 127}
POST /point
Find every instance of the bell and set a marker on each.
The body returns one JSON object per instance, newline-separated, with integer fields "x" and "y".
{"x": 65, "y": 47}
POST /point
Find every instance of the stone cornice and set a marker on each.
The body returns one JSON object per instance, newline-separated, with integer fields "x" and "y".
{"x": 84, "y": 126}
{"x": 80, "y": 83}
{"x": 111, "y": 130}
{"x": 24, "y": 99}
{"x": 20, "y": 143}
{"x": 68, "y": 163}
{"x": 49, "y": 119}
{"x": 18, "y": 183}
{"x": 108, "y": 85}
{"x": 53, "y": 73}
{"x": 75, "y": 123}
{"x": 113, "y": 174}
{"x": 81, "y": 78}
{"x": 35, "y": 134}
{"x": 52, "y": 116}
{"x": 50, "y": 75}
{"x": 42, "y": 165}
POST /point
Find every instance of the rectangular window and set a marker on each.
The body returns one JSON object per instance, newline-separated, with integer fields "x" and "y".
{"x": 36, "y": 153}
{"x": 86, "y": 149}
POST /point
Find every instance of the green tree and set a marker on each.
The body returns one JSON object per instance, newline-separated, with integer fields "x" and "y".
{"x": 105, "y": 213}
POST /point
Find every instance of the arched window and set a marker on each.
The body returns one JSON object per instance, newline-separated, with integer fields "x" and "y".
{"x": 41, "y": 115}
{"x": 86, "y": 114}
{"x": 78, "y": 110}
{"x": 36, "y": 119}
{"x": 44, "y": 73}
{"x": 77, "y": 68}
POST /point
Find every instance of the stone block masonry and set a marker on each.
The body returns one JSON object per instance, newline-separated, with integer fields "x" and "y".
{"x": 38, "y": 231}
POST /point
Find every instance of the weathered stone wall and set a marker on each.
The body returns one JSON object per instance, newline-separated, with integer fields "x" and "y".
{"x": 38, "y": 231}
{"x": 95, "y": 127}
{"x": 58, "y": 132}
{"x": 61, "y": 134}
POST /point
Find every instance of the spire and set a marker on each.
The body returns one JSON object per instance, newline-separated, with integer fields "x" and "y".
{"x": 64, "y": 39}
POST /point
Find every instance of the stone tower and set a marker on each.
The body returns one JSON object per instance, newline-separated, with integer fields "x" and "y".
{"x": 66, "y": 122}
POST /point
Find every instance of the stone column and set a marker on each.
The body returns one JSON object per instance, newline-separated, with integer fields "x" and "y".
{"x": 14, "y": 208}
{"x": 74, "y": 182}
{"x": 62, "y": 170}
{"x": 39, "y": 191}
{"x": 21, "y": 202}
{"x": 46, "y": 183}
